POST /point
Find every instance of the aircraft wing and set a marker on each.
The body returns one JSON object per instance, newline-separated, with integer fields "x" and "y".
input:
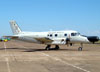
{"x": 12, "y": 37}
{"x": 44, "y": 40}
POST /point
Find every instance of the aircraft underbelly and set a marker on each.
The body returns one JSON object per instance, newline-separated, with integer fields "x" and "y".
{"x": 28, "y": 39}
{"x": 58, "y": 42}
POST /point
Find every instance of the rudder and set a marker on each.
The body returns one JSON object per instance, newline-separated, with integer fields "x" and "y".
{"x": 15, "y": 28}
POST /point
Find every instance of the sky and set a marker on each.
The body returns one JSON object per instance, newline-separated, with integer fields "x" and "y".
{"x": 45, "y": 15}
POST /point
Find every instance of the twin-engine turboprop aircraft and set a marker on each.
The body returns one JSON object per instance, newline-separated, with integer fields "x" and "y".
{"x": 56, "y": 38}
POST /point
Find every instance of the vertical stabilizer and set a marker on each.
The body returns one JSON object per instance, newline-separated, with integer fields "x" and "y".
{"x": 15, "y": 28}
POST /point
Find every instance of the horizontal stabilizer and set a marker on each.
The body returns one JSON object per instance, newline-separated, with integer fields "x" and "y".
{"x": 12, "y": 37}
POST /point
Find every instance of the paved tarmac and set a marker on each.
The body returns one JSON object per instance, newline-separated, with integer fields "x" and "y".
{"x": 30, "y": 57}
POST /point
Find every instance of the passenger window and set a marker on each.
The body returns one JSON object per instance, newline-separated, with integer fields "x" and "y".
{"x": 65, "y": 34}
{"x": 56, "y": 35}
{"x": 50, "y": 35}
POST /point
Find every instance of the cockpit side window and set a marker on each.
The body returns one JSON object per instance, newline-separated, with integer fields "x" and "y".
{"x": 72, "y": 34}
{"x": 75, "y": 34}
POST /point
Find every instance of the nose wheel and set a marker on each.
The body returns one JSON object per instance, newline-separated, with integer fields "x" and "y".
{"x": 80, "y": 48}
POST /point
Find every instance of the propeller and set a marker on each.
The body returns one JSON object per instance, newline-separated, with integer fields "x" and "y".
{"x": 93, "y": 39}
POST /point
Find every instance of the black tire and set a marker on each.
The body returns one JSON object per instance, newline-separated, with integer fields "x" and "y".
{"x": 48, "y": 47}
{"x": 56, "y": 47}
{"x": 80, "y": 49}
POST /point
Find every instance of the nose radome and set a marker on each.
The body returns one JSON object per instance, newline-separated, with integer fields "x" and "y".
{"x": 93, "y": 38}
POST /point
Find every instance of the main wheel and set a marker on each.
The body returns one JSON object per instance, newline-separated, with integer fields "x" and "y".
{"x": 56, "y": 47}
{"x": 48, "y": 47}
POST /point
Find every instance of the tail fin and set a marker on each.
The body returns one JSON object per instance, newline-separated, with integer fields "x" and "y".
{"x": 15, "y": 28}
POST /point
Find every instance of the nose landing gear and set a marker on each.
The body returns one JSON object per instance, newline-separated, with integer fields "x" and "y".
{"x": 80, "y": 48}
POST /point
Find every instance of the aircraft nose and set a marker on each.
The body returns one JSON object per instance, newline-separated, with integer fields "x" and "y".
{"x": 93, "y": 38}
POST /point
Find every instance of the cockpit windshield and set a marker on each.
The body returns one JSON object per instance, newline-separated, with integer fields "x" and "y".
{"x": 75, "y": 34}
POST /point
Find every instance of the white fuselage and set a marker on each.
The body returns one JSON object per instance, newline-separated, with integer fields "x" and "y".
{"x": 57, "y": 37}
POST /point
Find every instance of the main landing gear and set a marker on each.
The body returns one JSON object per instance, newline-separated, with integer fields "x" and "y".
{"x": 80, "y": 48}
{"x": 48, "y": 47}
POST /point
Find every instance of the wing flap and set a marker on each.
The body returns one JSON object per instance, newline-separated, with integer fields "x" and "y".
{"x": 44, "y": 40}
